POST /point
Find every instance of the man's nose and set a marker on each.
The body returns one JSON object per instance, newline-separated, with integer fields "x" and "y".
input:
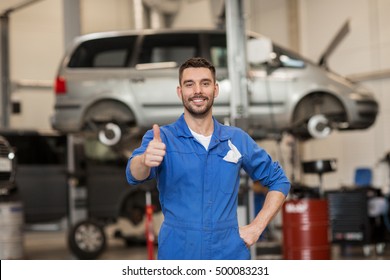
{"x": 197, "y": 88}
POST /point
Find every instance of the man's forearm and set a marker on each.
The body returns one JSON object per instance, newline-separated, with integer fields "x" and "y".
{"x": 138, "y": 168}
{"x": 273, "y": 202}
{"x": 251, "y": 233}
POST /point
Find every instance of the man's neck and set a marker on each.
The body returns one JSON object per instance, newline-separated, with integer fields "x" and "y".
{"x": 203, "y": 125}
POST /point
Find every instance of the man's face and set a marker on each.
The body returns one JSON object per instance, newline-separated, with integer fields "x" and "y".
{"x": 197, "y": 91}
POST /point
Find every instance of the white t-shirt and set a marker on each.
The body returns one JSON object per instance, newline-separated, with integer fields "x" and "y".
{"x": 204, "y": 140}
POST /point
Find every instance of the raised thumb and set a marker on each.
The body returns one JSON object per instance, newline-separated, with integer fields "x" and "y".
{"x": 156, "y": 133}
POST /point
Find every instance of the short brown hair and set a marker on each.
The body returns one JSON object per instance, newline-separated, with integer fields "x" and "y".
{"x": 196, "y": 62}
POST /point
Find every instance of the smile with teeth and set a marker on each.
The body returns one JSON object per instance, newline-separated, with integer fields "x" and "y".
{"x": 198, "y": 100}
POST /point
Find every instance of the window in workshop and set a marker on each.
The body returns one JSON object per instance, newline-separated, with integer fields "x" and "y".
{"x": 218, "y": 50}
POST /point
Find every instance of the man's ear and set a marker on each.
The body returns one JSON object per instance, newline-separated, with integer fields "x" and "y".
{"x": 178, "y": 91}
{"x": 216, "y": 91}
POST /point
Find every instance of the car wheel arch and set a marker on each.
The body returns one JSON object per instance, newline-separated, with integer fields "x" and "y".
{"x": 110, "y": 119}
{"x": 316, "y": 114}
{"x": 321, "y": 96}
{"x": 109, "y": 104}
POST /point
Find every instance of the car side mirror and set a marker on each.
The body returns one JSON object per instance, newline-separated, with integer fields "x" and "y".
{"x": 259, "y": 50}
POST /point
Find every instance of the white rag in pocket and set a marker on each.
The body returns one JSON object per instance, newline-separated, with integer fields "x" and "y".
{"x": 233, "y": 155}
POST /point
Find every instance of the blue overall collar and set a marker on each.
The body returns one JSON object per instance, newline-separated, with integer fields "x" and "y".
{"x": 182, "y": 129}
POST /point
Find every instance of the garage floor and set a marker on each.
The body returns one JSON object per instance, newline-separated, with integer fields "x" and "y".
{"x": 52, "y": 245}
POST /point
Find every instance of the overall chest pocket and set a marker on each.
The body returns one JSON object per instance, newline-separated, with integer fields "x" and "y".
{"x": 229, "y": 171}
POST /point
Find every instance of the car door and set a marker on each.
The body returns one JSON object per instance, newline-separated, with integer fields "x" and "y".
{"x": 155, "y": 76}
{"x": 271, "y": 89}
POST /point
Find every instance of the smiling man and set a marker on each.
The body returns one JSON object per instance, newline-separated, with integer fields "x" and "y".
{"x": 196, "y": 162}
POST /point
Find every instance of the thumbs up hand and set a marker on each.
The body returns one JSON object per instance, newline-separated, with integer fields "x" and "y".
{"x": 156, "y": 133}
{"x": 155, "y": 151}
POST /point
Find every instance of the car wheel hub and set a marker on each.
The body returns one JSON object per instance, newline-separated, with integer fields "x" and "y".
{"x": 89, "y": 238}
{"x": 318, "y": 126}
{"x": 110, "y": 135}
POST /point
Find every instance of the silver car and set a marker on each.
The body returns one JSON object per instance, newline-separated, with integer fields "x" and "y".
{"x": 117, "y": 84}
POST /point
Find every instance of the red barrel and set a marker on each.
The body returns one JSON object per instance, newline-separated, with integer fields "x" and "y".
{"x": 306, "y": 230}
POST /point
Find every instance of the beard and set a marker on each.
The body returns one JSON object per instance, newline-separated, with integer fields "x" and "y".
{"x": 198, "y": 111}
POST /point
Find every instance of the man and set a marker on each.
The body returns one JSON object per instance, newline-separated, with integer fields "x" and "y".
{"x": 196, "y": 162}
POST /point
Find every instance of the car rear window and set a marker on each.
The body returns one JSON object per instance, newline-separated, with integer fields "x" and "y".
{"x": 105, "y": 52}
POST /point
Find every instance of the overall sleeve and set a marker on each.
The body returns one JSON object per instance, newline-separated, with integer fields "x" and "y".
{"x": 260, "y": 167}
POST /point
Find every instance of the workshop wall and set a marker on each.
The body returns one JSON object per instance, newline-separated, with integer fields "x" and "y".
{"x": 102, "y": 15}
{"x": 365, "y": 49}
{"x": 36, "y": 46}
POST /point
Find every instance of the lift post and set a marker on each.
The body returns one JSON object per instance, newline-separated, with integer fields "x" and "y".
{"x": 77, "y": 194}
{"x": 238, "y": 71}
{"x": 237, "y": 63}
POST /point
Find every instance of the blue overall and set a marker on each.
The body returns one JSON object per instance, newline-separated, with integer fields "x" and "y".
{"x": 198, "y": 190}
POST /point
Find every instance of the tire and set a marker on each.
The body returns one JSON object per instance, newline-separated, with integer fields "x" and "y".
{"x": 87, "y": 240}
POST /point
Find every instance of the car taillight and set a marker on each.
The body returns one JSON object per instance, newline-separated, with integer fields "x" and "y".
{"x": 60, "y": 86}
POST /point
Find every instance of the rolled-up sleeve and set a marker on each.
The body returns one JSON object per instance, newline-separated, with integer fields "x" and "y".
{"x": 260, "y": 167}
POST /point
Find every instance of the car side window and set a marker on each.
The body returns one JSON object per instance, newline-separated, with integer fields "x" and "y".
{"x": 105, "y": 52}
{"x": 176, "y": 48}
{"x": 280, "y": 57}
{"x": 288, "y": 59}
{"x": 115, "y": 58}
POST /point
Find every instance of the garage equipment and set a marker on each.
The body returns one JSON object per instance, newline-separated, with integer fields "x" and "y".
{"x": 319, "y": 167}
{"x": 7, "y": 167}
{"x": 305, "y": 230}
{"x": 40, "y": 176}
{"x": 306, "y": 221}
{"x": 149, "y": 225}
{"x": 350, "y": 219}
{"x": 386, "y": 218}
{"x": 56, "y": 182}
{"x": 106, "y": 198}
{"x": 11, "y": 208}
